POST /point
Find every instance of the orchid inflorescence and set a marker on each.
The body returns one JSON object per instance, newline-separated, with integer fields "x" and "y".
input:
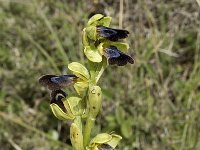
{"x": 102, "y": 47}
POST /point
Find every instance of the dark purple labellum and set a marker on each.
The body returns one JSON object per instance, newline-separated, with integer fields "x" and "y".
{"x": 114, "y": 56}
{"x": 54, "y": 82}
{"x": 112, "y": 34}
{"x": 56, "y": 98}
{"x": 105, "y": 147}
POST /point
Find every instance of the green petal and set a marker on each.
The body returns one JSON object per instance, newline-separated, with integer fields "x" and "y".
{"x": 57, "y": 111}
{"x": 81, "y": 87}
{"x": 79, "y": 70}
{"x": 91, "y": 32}
{"x": 94, "y": 18}
{"x": 101, "y": 138}
{"x": 92, "y": 54}
{"x": 100, "y": 48}
{"x": 114, "y": 141}
{"x": 121, "y": 46}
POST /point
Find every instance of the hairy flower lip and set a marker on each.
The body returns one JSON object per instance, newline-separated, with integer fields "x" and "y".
{"x": 111, "y": 33}
{"x": 56, "y": 82}
{"x": 56, "y": 98}
{"x": 114, "y": 56}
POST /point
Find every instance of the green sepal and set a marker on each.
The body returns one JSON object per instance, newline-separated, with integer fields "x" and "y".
{"x": 92, "y": 54}
{"x": 101, "y": 138}
{"x": 105, "y": 21}
{"x": 85, "y": 40}
{"x": 81, "y": 87}
{"x": 121, "y": 46}
{"x": 68, "y": 107}
{"x": 94, "y": 19}
{"x": 95, "y": 99}
{"x": 59, "y": 113}
{"x": 75, "y": 104}
{"x": 79, "y": 70}
{"x": 76, "y": 137}
{"x": 104, "y": 138}
{"x": 114, "y": 141}
{"x": 91, "y": 32}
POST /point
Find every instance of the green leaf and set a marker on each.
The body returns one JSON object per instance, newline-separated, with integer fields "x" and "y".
{"x": 110, "y": 118}
{"x": 81, "y": 87}
{"x": 92, "y": 54}
{"x": 101, "y": 138}
{"x": 79, "y": 70}
{"x": 57, "y": 111}
{"x": 95, "y": 18}
{"x": 197, "y": 98}
{"x": 121, "y": 46}
{"x": 120, "y": 115}
{"x": 126, "y": 129}
{"x": 91, "y": 32}
{"x": 107, "y": 93}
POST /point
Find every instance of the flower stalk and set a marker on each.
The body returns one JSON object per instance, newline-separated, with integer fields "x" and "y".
{"x": 102, "y": 48}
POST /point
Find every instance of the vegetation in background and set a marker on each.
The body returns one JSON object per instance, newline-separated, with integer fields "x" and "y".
{"x": 156, "y": 101}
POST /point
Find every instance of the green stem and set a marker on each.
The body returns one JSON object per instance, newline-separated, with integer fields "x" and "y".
{"x": 88, "y": 128}
{"x": 104, "y": 64}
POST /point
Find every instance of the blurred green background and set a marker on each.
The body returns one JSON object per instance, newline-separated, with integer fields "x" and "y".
{"x": 154, "y": 104}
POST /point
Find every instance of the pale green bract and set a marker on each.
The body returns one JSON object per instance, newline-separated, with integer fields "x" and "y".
{"x": 79, "y": 70}
{"x": 92, "y": 54}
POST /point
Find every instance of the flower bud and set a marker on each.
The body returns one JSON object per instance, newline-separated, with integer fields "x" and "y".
{"x": 95, "y": 18}
{"x": 76, "y": 137}
{"x": 95, "y": 97}
{"x": 104, "y": 141}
